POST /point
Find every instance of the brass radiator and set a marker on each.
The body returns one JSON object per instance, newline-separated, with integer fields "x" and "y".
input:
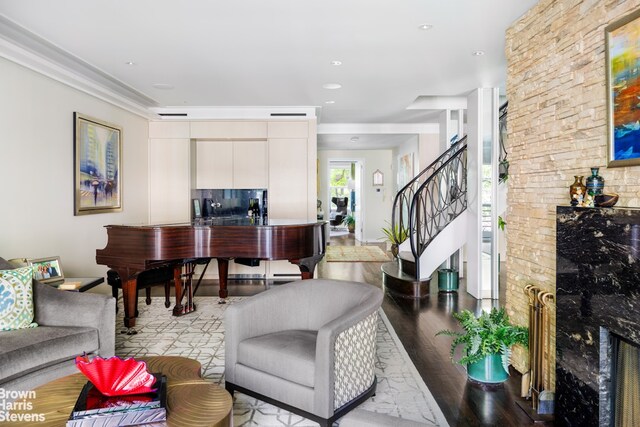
{"x": 541, "y": 355}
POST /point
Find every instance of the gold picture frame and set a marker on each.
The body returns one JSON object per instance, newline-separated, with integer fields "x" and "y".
{"x": 622, "y": 52}
{"x": 47, "y": 270}
{"x": 98, "y": 166}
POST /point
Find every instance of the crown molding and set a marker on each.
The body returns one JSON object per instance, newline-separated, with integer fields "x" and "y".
{"x": 29, "y": 50}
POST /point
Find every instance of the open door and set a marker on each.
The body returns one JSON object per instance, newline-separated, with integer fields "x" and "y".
{"x": 358, "y": 200}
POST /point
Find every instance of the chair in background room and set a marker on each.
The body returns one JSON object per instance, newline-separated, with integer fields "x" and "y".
{"x": 336, "y": 217}
{"x": 314, "y": 356}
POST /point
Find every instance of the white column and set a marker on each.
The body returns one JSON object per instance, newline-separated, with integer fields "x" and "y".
{"x": 447, "y": 130}
{"x": 474, "y": 192}
{"x": 482, "y": 127}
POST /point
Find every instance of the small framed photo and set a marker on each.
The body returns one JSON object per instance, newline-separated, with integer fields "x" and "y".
{"x": 47, "y": 270}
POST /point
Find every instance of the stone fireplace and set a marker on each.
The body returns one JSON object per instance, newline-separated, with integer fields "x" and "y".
{"x": 598, "y": 305}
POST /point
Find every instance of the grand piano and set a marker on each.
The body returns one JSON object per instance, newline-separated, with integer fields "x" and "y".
{"x": 132, "y": 249}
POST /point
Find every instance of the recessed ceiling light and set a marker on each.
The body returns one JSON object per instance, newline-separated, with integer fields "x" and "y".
{"x": 478, "y": 53}
{"x": 332, "y": 85}
{"x": 162, "y": 86}
{"x": 130, "y": 63}
{"x": 329, "y": 102}
{"x": 336, "y": 62}
{"x": 425, "y": 27}
{"x": 355, "y": 139}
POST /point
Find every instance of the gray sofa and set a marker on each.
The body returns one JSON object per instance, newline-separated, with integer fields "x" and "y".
{"x": 70, "y": 323}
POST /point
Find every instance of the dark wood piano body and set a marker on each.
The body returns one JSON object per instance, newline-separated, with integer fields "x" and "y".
{"x": 133, "y": 249}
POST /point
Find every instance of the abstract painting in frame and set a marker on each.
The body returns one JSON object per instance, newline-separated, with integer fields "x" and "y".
{"x": 623, "y": 90}
{"x": 98, "y": 166}
{"x": 405, "y": 170}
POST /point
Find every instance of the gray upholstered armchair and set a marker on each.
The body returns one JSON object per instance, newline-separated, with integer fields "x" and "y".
{"x": 307, "y": 346}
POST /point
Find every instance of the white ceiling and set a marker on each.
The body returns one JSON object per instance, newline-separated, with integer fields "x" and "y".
{"x": 278, "y": 53}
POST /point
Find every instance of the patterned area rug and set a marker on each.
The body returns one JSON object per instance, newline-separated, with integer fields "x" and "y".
{"x": 200, "y": 335}
{"x": 355, "y": 254}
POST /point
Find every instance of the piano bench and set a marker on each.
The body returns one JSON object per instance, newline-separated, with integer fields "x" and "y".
{"x": 145, "y": 280}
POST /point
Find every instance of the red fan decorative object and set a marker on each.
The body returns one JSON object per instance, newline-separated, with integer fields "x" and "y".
{"x": 115, "y": 376}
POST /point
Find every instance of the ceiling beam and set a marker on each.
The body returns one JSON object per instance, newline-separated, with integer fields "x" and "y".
{"x": 425, "y": 102}
{"x": 377, "y": 128}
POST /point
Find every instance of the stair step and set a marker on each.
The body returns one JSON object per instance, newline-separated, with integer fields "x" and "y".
{"x": 402, "y": 284}
{"x": 408, "y": 266}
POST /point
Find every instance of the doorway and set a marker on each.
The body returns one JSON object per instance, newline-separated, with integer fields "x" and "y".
{"x": 345, "y": 188}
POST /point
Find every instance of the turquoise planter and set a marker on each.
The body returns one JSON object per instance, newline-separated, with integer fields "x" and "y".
{"x": 488, "y": 370}
{"x": 447, "y": 280}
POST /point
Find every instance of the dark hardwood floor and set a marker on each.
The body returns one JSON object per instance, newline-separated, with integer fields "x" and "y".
{"x": 416, "y": 323}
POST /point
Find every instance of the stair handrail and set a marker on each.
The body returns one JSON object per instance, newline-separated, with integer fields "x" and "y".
{"x": 404, "y": 197}
{"x": 440, "y": 199}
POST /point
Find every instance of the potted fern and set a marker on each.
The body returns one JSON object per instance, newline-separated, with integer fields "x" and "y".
{"x": 350, "y": 222}
{"x": 395, "y": 235}
{"x": 487, "y": 342}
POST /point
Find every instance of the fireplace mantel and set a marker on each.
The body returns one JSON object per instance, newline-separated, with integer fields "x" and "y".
{"x": 598, "y": 290}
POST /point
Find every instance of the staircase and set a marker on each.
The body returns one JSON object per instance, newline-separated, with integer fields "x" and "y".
{"x": 432, "y": 208}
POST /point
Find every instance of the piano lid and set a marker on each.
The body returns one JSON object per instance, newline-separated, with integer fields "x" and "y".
{"x": 227, "y": 221}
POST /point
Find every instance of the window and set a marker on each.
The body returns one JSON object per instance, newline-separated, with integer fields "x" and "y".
{"x": 338, "y": 181}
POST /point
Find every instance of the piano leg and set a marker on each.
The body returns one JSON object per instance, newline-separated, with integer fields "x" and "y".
{"x": 129, "y": 297}
{"x": 177, "y": 281}
{"x": 189, "y": 268}
{"x": 223, "y": 274}
{"x": 307, "y": 266}
{"x": 184, "y": 288}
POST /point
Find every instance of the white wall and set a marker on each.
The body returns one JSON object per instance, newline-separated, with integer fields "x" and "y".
{"x": 408, "y": 147}
{"x": 36, "y": 171}
{"x": 376, "y": 205}
{"x": 429, "y": 149}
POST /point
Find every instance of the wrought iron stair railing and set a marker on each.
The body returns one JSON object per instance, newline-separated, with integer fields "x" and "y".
{"x": 432, "y": 199}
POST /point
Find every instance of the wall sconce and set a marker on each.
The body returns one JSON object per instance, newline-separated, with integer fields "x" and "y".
{"x": 378, "y": 178}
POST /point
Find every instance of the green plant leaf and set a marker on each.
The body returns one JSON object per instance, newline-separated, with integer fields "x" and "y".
{"x": 505, "y": 356}
{"x": 476, "y": 341}
{"x": 489, "y": 333}
{"x": 395, "y": 234}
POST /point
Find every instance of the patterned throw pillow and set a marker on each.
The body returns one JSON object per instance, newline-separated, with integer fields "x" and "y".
{"x": 16, "y": 299}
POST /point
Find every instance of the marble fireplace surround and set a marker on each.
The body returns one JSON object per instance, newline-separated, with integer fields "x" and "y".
{"x": 598, "y": 290}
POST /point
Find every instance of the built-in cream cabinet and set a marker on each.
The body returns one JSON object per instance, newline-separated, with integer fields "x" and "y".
{"x": 288, "y": 130}
{"x": 279, "y": 155}
{"x": 250, "y": 164}
{"x": 165, "y": 130}
{"x": 214, "y": 164}
{"x": 231, "y": 164}
{"x": 239, "y": 129}
{"x": 169, "y": 180}
{"x": 288, "y": 175}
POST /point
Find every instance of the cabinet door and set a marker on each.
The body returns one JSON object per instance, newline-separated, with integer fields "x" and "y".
{"x": 288, "y": 178}
{"x": 249, "y": 164}
{"x": 214, "y": 164}
{"x": 169, "y": 193}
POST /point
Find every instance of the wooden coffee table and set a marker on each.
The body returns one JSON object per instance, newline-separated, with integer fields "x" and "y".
{"x": 191, "y": 401}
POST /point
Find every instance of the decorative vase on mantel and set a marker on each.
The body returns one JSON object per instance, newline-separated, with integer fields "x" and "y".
{"x": 577, "y": 190}
{"x": 595, "y": 183}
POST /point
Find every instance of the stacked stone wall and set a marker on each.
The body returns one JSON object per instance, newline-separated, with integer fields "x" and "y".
{"x": 557, "y": 128}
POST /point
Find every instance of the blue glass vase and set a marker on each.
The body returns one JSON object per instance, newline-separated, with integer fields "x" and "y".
{"x": 595, "y": 183}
